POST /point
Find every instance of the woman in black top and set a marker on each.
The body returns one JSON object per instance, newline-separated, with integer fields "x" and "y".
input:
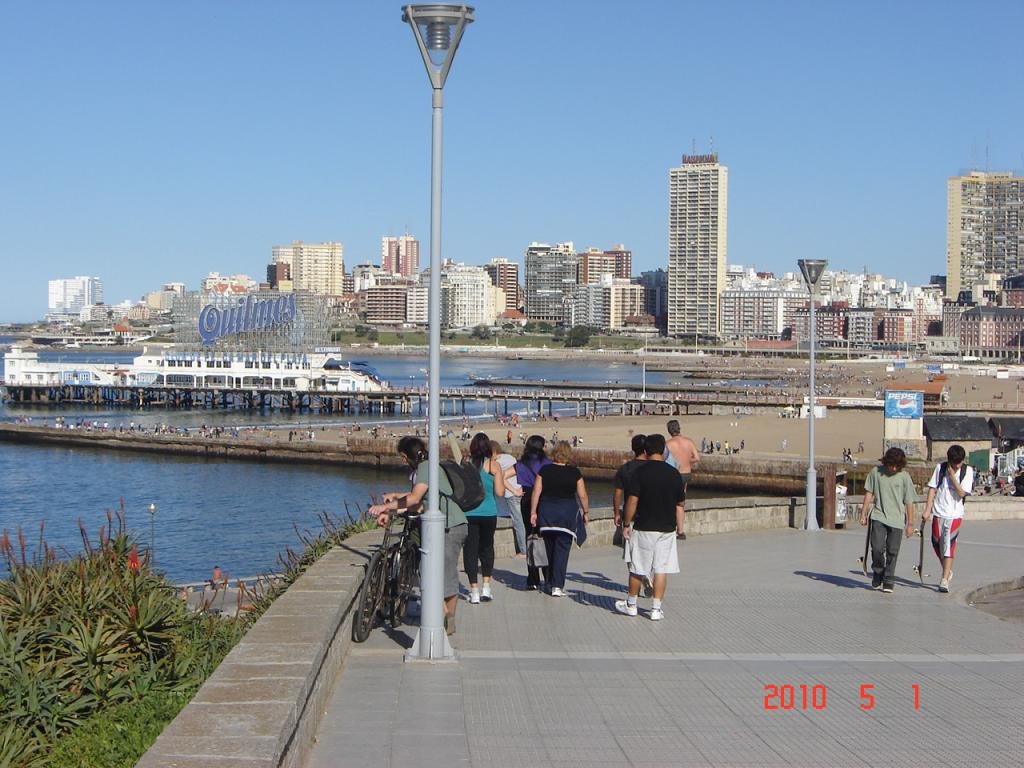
{"x": 554, "y": 508}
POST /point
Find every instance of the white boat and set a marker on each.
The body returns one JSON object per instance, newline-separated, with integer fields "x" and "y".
{"x": 257, "y": 370}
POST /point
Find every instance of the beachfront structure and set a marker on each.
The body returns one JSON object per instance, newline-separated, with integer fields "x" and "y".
{"x": 607, "y": 304}
{"x": 67, "y": 297}
{"x": 697, "y": 244}
{"x": 314, "y": 267}
{"x": 400, "y": 255}
{"x": 269, "y": 341}
{"x": 504, "y": 273}
{"x": 984, "y": 228}
{"x": 552, "y": 274}
{"x": 992, "y": 333}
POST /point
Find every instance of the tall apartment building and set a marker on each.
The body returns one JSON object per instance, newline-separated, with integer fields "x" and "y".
{"x": 607, "y": 304}
{"x": 314, "y": 267}
{"x": 697, "y": 244}
{"x": 400, "y": 255}
{"x": 385, "y": 304}
{"x": 417, "y": 305}
{"x": 829, "y": 323}
{"x": 467, "y": 297}
{"x": 552, "y": 273}
{"x": 504, "y": 273}
{"x": 617, "y": 262}
{"x": 66, "y": 297}
{"x": 863, "y": 325}
{"x": 984, "y": 228}
{"x": 756, "y": 313}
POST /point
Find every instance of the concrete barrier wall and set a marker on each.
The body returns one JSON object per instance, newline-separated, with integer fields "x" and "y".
{"x": 262, "y": 706}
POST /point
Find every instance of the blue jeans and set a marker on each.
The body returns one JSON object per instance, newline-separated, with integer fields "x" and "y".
{"x": 518, "y": 529}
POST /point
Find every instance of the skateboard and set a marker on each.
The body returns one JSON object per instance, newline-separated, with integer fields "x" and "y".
{"x": 919, "y": 568}
{"x": 867, "y": 545}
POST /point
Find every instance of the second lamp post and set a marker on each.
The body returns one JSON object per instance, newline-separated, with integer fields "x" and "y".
{"x": 812, "y": 270}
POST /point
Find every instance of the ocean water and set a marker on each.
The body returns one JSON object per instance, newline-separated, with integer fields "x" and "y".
{"x": 237, "y": 515}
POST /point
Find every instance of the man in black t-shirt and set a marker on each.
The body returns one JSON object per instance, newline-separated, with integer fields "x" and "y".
{"x": 623, "y": 474}
{"x": 654, "y": 509}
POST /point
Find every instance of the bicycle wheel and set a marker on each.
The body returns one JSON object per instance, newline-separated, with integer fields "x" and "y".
{"x": 370, "y": 596}
{"x": 404, "y": 583}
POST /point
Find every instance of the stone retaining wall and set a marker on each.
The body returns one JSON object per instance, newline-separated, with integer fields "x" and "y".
{"x": 261, "y": 707}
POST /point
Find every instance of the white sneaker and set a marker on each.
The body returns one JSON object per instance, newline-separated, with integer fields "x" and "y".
{"x": 624, "y": 607}
{"x": 657, "y": 614}
{"x": 944, "y": 585}
{"x": 557, "y": 592}
{"x": 485, "y": 591}
{"x": 474, "y": 595}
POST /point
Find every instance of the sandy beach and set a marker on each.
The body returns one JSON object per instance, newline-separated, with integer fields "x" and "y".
{"x": 762, "y": 433}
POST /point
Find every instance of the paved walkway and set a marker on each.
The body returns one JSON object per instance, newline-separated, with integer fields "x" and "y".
{"x": 544, "y": 681}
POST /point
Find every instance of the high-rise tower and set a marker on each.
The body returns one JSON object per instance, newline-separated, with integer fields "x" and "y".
{"x": 984, "y": 228}
{"x": 697, "y": 246}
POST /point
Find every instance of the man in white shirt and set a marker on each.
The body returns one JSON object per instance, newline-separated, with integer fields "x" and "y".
{"x": 952, "y": 481}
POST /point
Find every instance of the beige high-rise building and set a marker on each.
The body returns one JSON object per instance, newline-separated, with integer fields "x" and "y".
{"x": 697, "y": 244}
{"x": 984, "y": 228}
{"x": 314, "y": 267}
{"x": 504, "y": 274}
{"x": 618, "y": 262}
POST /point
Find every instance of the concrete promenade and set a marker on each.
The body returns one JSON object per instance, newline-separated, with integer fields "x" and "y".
{"x": 545, "y": 681}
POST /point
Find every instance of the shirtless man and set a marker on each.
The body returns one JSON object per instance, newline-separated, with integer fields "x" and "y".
{"x": 681, "y": 453}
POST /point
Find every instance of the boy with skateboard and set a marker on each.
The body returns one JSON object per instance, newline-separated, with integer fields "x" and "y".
{"x": 888, "y": 508}
{"x": 952, "y": 481}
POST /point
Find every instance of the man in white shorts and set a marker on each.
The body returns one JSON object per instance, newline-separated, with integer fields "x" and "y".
{"x": 652, "y": 518}
{"x": 952, "y": 482}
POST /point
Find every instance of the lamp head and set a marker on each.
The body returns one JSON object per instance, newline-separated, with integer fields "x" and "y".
{"x": 152, "y": 509}
{"x": 438, "y": 29}
{"x": 812, "y": 270}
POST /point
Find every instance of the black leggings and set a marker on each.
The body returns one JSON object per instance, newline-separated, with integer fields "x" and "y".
{"x": 479, "y": 546}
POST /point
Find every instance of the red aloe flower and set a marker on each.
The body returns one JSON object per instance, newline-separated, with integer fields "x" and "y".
{"x": 133, "y": 558}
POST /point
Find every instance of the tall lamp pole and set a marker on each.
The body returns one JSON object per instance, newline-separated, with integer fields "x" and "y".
{"x": 438, "y": 29}
{"x": 812, "y": 270}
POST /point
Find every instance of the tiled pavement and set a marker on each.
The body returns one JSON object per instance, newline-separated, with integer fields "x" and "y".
{"x": 544, "y": 681}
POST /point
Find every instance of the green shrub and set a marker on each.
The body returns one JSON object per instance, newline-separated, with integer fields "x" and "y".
{"x": 119, "y": 735}
{"x": 98, "y": 652}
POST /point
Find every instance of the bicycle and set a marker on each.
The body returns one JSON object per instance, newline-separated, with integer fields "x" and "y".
{"x": 390, "y": 579}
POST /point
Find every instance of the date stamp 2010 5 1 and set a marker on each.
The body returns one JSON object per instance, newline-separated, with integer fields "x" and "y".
{"x": 804, "y": 697}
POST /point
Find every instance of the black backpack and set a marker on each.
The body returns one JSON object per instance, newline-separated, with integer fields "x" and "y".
{"x": 467, "y": 486}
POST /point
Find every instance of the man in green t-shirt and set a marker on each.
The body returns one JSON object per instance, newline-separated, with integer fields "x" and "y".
{"x": 889, "y": 498}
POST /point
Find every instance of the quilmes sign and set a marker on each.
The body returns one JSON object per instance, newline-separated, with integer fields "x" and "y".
{"x": 247, "y": 314}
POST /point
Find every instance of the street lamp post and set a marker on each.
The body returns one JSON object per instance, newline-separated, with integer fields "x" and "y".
{"x": 152, "y": 535}
{"x": 812, "y": 270}
{"x": 438, "y": 29}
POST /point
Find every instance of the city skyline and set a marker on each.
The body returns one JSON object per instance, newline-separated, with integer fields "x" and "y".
{"x": 173, "y": 166}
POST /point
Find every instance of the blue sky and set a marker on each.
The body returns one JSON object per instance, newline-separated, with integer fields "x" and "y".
{"x": 151, "y": 142}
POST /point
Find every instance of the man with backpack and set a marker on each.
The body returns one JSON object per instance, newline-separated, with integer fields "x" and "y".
{"x": 952, "y": 482}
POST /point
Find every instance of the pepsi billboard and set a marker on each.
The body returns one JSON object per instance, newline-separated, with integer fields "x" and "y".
{"x": 904, "y": 405}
